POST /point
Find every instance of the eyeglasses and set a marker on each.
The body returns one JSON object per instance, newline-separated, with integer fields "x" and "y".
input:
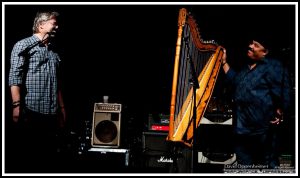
{"x": 52, "y": 23}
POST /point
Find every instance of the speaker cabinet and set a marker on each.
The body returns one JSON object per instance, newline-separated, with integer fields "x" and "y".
{"x": 106, "y": 129}
{"x": 156, "y": 150}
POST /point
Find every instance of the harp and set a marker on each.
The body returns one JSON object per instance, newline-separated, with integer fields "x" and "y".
{"x": 206, "y": 56}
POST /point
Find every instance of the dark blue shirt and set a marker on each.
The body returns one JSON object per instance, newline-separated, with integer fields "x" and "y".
{"x": 257, "y": 94}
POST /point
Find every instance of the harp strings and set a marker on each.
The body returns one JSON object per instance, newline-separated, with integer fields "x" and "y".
{"x": 205, "y": 57}
{"x": 199, "y": 58}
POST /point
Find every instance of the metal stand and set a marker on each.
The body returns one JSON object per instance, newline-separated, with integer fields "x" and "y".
{"x": 195, "y": 84}
{"x": 113, "y": 150}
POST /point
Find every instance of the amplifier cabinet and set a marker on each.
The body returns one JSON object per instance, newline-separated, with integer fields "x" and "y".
{"x": 106, "y": 129}
{"x": 156, "y": 150}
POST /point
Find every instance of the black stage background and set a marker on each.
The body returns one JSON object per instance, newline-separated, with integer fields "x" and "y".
{"x": 127, "y": 52}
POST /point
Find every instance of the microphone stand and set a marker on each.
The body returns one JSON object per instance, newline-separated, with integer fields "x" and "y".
{"x": 195, "y": 84}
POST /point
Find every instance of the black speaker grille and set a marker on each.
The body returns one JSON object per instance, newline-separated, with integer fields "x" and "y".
{"x": 156, "y": 150}
{"x": 106, "y": 131}
{"x": 155, "y": 142}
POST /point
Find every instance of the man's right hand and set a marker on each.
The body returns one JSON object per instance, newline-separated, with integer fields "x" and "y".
{"x": 16, "y": 114}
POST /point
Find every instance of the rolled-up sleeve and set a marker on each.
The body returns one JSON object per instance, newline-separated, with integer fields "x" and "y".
{"x": 17, "y": 63}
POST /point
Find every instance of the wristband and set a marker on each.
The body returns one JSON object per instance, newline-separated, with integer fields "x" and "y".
{"x": 16, "y": 103}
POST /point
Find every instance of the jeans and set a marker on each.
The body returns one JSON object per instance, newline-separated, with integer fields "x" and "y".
{"x": 35, "y": 145}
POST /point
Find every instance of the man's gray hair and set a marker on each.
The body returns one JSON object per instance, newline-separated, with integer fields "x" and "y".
{"x": 42, "y": 17}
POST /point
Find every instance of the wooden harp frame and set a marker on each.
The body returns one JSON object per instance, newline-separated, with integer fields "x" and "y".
{"x": 181, "y": 125}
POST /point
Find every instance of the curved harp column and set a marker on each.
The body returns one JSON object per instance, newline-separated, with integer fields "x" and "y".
{"x": 206, "y": 57}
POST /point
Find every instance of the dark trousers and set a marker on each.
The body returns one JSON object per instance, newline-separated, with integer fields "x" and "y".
{"x": 258, "y": 151}
{"x": 35, "y": 147}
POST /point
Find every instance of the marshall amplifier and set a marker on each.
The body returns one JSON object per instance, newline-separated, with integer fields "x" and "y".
{"x": 158, "y": 122}
{"x": 156, "y": 150}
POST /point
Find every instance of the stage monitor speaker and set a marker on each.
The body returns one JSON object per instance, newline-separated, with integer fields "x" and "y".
{"x": 106, "y": 129}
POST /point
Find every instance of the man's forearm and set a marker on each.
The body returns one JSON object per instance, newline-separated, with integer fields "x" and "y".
{"x": 225, "y": 67}
{"x": 60, "y": 99}
{"x": 15, "y": 93}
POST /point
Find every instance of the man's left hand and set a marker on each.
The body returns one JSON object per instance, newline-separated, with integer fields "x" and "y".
{"x": 278, "y": 117}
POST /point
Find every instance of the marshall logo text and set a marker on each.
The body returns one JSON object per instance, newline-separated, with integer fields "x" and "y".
{"x": 162, "y": 159}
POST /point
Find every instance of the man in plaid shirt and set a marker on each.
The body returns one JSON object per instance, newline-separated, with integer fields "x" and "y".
{"x": 38, "y": 107}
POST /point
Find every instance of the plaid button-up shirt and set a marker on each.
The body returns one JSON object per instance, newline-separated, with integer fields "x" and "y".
{"x": 38, "y": 73}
